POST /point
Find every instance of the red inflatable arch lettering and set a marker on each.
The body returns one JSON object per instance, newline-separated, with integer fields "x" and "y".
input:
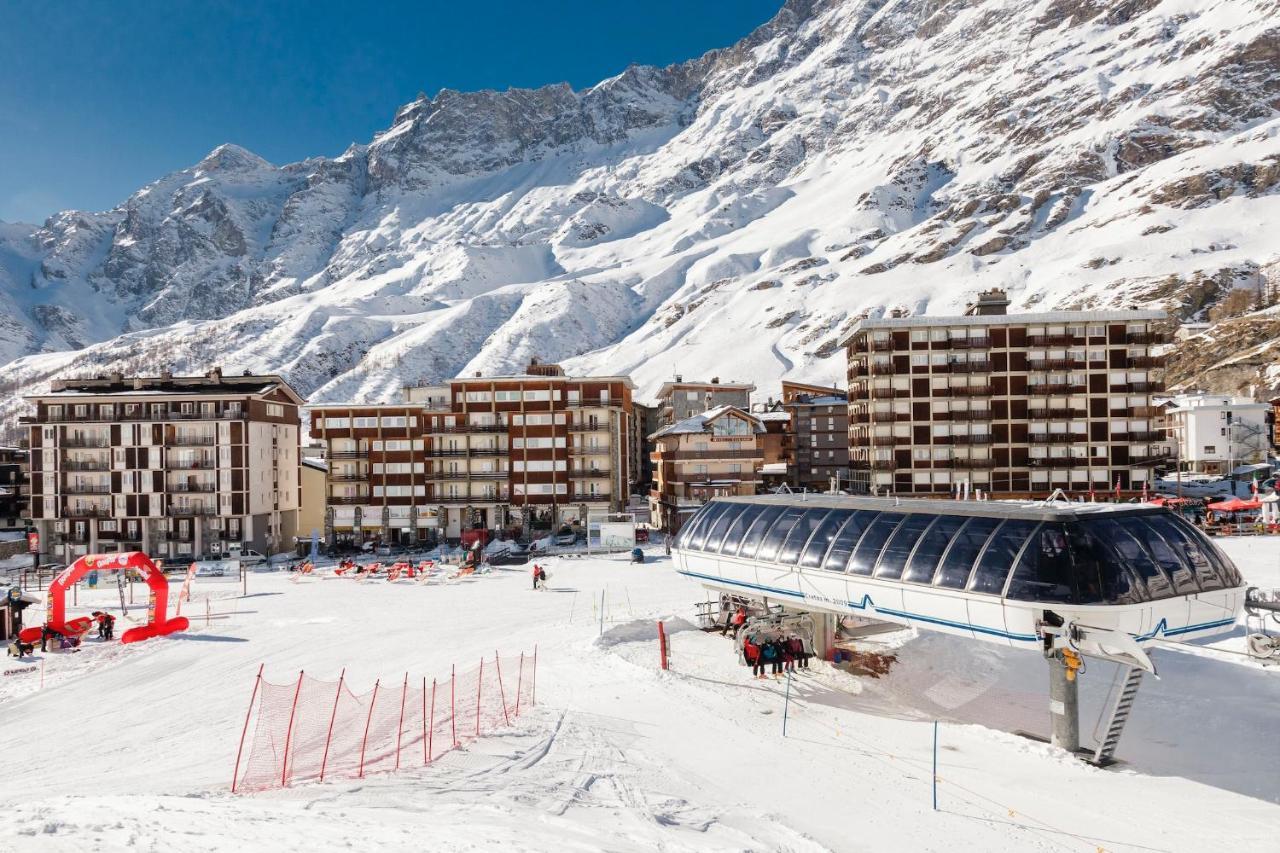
{"x": 158, "y": 621}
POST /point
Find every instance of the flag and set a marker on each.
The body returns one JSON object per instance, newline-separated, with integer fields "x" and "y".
{"x": 1144, "y": 491}
{"x": 1117, "y": 488}
{"x": 1093, "y": 496}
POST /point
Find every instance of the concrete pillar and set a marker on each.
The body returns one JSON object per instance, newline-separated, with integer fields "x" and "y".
{"x": 1064, "y": 706}
{"x": 824, "y": 631}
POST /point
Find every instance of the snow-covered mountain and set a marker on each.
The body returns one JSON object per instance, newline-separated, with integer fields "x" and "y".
{"x": 730, "y": 215}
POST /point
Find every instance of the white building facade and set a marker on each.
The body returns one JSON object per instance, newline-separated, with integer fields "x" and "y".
{"x": 1215, "y": 433}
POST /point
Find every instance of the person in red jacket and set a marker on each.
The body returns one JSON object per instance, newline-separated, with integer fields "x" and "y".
{"x": 539, "y": 576}
{"x": 736, "y": 621}
{"x": 751, "y": 653}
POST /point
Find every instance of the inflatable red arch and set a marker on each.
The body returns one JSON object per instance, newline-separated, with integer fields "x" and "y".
{"x": 158, "y": 621}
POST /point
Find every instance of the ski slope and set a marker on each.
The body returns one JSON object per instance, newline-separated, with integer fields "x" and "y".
{"x": 132, "y": 747}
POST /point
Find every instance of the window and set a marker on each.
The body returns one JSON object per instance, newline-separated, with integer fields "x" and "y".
{"x": 997, "y": 560}
{"x": 755, "y": 533}
{"x": 868, "y": 550}
{"x": 777, "y": 534}
{"x": 275, "y": 410}
{"x": 1165, "y": 543}
{"x": 822, "y": 538}
{"x": 364, "y": 423}
{"x": 932, "y": 544}
{"x": 957, "y": 562}
{"x": 1044, "y": 571}
{"x": 479, "y": 396}
{"x": 694, "y": 533}
{"x": 337, "y": 423}
{"x": 904, "y": 539}
{"x": 730, "y": 426}
{"x": 716, "y": 532}
{"x": 799, "y": 535}
{"x": 741, "y": 523}
{"x": 506, "y": 396}
{"x": 398, "y": 421}
{"x": 845, "y": 541}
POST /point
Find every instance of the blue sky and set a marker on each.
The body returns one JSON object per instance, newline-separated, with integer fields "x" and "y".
{"x": 98, "y": 98}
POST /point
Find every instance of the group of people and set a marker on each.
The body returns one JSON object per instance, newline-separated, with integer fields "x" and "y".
{"x": 106, "y": 624}
{"x": 539, "y": 577}
{"x": 778, "y": 652}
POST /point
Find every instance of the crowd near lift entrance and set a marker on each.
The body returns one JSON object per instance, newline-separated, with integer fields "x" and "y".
{"x": 1067, "y": 580}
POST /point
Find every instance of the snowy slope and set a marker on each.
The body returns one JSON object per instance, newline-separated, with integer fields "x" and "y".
{"x": 132, "y": 747}
{"x": 846, "y": 157}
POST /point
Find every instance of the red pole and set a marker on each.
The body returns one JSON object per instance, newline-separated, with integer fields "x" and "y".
{"x": 502, "y": 694}
{"x": 235, "y": 774}
{"x": 519, "y": 682}
{"x": 365, "y": 742}
{"x": 431, "y": 728}
{"x": 404, "y": 693}
{"x": 662, "y": 645}
{"x": 479, "y": 686}
{"x": 325, "y": 760}
{"x": 533, "y": 697}
{"x": 288, "y": 733}
{"x": 453, "y": 714}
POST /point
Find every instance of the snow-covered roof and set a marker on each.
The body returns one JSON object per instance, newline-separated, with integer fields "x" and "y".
{"x": 700, "y": 423}
{"x": 1002, "y": 320}
{"x": 828, "y": 400}
{"x": 670, "y": 387}
{"x": 313, "y": 462}
{"x": 773, "y": 468}
{"x": 773, "y": 416}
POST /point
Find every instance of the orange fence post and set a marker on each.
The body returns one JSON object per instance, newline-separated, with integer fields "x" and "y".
{"x": 519, "y": 682}
{"x": 431, "y": 728}
{"x": 235, "y": 774}
{"x": 336, "y": 696}
{"x": 453, "y": 713}
{"x": 367, "y": 721}
{"x": 502, "y": 694}
{"x": 662, "y": 645}
{"x": 288, "y": 734}
{"x": 404, "y": 693}
{"x": 424, "y": 721}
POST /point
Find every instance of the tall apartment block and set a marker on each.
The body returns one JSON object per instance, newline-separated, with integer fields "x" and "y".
{"x": 816, "y": 447}
{"x": 1014, "y": 405}
{"x": 15, "y": 487}
{"x": 678, "y": 400}
{"x": 537, "y": 449}
{"x": 173, "y": 466}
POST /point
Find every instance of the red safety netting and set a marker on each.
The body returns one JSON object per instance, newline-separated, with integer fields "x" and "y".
{"x": 311, "y": 730}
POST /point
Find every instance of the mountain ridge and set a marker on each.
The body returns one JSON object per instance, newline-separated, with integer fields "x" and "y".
{"x": 843, "y": 158}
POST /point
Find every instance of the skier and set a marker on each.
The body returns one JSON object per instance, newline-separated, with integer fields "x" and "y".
{"x": 736, "y": 621}
{"x": 108, "y": 626}
{"x": 539, "y": 577}
{"x": 102, "y": 623}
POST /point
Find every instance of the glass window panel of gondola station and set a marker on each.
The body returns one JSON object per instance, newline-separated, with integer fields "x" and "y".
{"x": 1013, "y": 405}
{"x": 531, "y": 451}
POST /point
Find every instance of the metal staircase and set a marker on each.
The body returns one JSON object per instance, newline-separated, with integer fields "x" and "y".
{"x": 1120, "y": 710}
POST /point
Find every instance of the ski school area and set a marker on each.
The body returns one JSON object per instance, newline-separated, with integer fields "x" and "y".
{"x": 443, "y": 707}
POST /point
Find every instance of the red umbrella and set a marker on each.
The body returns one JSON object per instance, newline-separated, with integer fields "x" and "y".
{"x": 1234, "y": 505}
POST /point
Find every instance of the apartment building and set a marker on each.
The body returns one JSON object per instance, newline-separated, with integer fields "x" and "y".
{"x": 15, "y": 488}
{"x": 1013, "y": 405}
{"x": 817, "y": 443}
{"x": 679, "y": 400}
{"x": 717, "y": 453}
{"x": 173, "y": 466}
{"x": 1215, "y": 433}
{"x": 529, "y": 451}
{"x": 644, "y": 423}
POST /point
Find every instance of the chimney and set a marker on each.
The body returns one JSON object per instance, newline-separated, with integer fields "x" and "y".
{"x": 477, "y": 374}
{"x": 715, "y": 380}
{"x": 990, "y": 303}
{"x": 166, "y": 374}
{"x": 679, "y": 378}
{"x": 138, "y": 384}
{"x": 215, "y": 374}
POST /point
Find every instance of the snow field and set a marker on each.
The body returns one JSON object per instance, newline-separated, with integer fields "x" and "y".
{"x": 133, "y": 746}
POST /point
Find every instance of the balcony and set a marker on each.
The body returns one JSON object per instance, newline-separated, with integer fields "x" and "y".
{"x": 883, "y": 464}
{"x": 1054, "y": 388}
{"x": 1052, "y": 414}
{"x": 882, "y": 369}
{"x": 969, "y": 415}
{"x": 882, "y": 346}
{"x": 588, "y": 472}
{"x": 1148, "y": 435}
{"x": 490, "y": 475}
{"x": 349, "y": 454}
{"x": 970, "y": 366}
{"x": 344, "y": 477}
{"x": 885, "y": 393}
{"x": 447, "y": 475}
{"x": 1049, "y": 340}
{"x": 973, "y": 464}
{"x": 435, "y": 452}
{"x": 588, "y": 426}
{"x": 590, "y": 404}
{"x": 969, "y": 391}
{"x": 686, "y": 455}
{"x": 855, "y": 372}
{"x": 1139, "y": 412}
{"x": 191, "y": 441}
{"x": 86, "y": 511}
{"x": 85, "y": 441}
{"x": 200, "y": 463}
{"x": 489, "y": 451}
{"x": 588, "y": 451}
{"x": 1139, "y": 387}
{"x": 77, "y": 465}
{"x": 970, "y": 343}
{"x": 192, "y": 509}
{"x": 1056, "y": 437}
{"x": 466, "y": 428}
{"x": 191, "y": 487}
{"x": 1146, "y": 338}
{"x": 589, "y": 496}
{"x": 1054, "y": 363}
{"x": 971, "y": 438}
{"x": 347, "y": 500}
{"x": 1145, "y": 361}
{"x": 175, "y": 535}
{"x": 87, "y": 489}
